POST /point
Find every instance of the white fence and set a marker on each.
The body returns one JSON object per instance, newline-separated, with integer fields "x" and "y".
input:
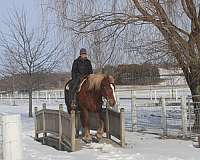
{"x": 122, "y": 92}
{"x": 152, "y": 92}
{"x": 144, "y": 109}
{"x": 10, "y": 137}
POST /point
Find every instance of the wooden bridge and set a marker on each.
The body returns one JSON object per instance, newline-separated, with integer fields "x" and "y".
{"x": 61, "y": 130}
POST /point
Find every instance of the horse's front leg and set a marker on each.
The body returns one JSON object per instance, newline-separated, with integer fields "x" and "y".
{"x": 100, "y": 129}
{"x": 86, "y": 131}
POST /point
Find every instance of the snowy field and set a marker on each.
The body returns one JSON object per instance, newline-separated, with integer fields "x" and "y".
{"x": 139, "y": 146}
{"x": 148, "y": 116}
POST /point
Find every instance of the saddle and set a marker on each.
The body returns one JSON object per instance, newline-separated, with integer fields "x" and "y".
{"x": 81, "y": 83}
{"x": 83, "y": 79}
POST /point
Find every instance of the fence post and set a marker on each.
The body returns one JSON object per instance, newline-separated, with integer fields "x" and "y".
{"x": 107, "y": 124}
{"x": 122, "y": 127}
{"x": 117, "y": 102}
{"x": 73, "y": 131}
{"x": 46, "y": 95}
{"x": 155, "y": 96}
{"x": 176, "y": 95}
{"x": 49, "y": 97}
{"x": 44, "y": 123}
{"x": 10, "y": 97}
{"x": 151, "y": 96}
{"x": 164, "y": 117}
{"x": 60, "y": 126}
{"x": 190, "y": 118}
{"x": 35, "y": 119}
{"x": 184, "y": 116}
{"x": 56, "y": 96}
{"x": 60, "y": 94}
{"x": 170, "y": 93}
{"x": 14, "y": 100}
{"x": 133, "y": 113}
{"x": 38, "y": 94}
{"x": 21, "y": 96}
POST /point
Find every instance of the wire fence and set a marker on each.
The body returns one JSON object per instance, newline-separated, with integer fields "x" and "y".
{"x": 167, "y": 117}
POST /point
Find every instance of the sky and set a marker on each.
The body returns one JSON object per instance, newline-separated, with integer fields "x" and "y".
{"x": 33, "y": 10}
{"x": 32, "y": 7}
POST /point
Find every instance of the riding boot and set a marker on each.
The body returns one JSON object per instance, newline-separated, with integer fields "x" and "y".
{"x": 73, "y": 105}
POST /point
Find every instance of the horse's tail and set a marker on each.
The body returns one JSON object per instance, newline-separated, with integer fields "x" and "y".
{"x": 66, "y": 94}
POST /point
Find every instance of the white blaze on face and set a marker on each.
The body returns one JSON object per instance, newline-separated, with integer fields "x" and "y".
{"x": 113, "y": 89}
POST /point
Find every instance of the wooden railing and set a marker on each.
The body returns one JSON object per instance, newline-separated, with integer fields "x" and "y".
{"x": 58, "y": 123}
{"x": 64, "y": 126}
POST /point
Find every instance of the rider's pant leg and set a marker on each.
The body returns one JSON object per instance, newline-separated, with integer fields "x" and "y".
{"x": 74, "y": 89}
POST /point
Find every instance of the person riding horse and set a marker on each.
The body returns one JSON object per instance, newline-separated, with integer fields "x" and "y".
{"x": 81, "y": 67}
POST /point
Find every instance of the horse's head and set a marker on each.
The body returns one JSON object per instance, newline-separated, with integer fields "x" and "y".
{"x": 108, "y": 89}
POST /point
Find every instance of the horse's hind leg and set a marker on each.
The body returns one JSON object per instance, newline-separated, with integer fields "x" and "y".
{"x": 100, "y": 129}
{"x": 86, "y": 132}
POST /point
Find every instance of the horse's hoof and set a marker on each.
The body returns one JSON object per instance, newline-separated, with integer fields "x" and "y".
{"x": 86, "y": 140}
{"x": 98, "y": 136}
{"x": 95, "y": 139}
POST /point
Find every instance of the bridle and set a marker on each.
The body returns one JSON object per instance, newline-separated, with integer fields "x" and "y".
{"x": 107, "y": 98}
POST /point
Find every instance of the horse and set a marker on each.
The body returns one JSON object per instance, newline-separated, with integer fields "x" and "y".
{"x": 89, "y": 99}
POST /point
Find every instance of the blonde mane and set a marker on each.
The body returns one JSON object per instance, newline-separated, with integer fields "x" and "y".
{"x": 94, "y": 81}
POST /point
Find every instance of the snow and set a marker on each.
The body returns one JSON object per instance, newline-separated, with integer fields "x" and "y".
{"x": 139, "y": 146}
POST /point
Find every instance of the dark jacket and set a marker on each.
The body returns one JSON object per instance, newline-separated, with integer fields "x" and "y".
{"x": 81, "y": 68}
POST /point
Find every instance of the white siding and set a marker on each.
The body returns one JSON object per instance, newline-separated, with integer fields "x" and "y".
{"x": 1, "y": 138}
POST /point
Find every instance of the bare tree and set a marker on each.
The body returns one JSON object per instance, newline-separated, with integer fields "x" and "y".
{"x": 101, "y": 45}
{"x": 178, "y": 21}
{"x": 27, "y": 51}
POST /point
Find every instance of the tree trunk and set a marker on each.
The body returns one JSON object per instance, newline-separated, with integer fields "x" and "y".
{"x": 30, "y": 102}
{"x": 195, "y": 90}
{"x": 194, "y": 86}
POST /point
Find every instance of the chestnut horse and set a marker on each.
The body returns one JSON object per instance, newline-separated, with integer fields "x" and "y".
{"x": 89, "y": 99}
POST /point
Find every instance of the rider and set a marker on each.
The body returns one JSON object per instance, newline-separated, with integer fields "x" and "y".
{"x": 81, "y": 67}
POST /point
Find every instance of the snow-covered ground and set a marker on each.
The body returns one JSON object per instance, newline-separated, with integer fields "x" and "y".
{"x": 139, "y": 146}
